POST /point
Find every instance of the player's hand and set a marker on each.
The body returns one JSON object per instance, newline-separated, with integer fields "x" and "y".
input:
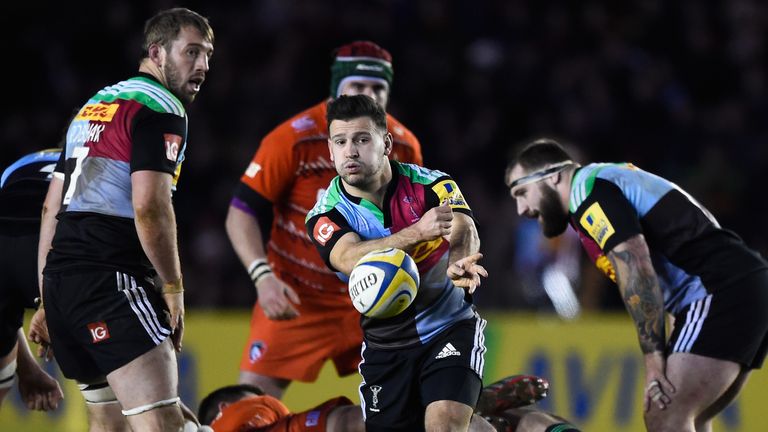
{"x": 435, "y": 223}
{"x": 38, "y": 390}
{"x": 276, "y": 298}
{"x": 38, "y": 333}
{"x": 175, "y": 303}
{"x": 466, "y": 272}
{"x": 658, "y": 389}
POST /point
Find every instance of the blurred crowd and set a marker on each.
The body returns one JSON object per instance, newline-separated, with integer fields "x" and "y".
{"x": 678, "y": 88}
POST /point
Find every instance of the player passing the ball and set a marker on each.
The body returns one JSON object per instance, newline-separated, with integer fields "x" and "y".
{"x": 666, "y": 253}
{"x": 438, "y": 341}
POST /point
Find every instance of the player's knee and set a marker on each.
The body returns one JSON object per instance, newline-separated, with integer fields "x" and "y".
{"x": 667, "y": 421}
{"x": 347, "y": 418}
{"x": 447, "y": 415}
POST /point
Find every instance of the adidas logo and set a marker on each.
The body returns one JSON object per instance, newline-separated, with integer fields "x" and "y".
{"x": 447, "y": 351}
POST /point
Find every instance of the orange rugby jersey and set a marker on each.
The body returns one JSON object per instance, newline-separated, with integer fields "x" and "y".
{"x": 291, "y": 168}
{"x": 249, "y": 414}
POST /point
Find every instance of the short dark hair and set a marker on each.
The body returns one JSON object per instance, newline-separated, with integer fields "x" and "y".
{"x": 539, "y": 153}
{"x": 346, "y": 108}
{"x": 209, "y": 406}
{"x": 164, "y": 27}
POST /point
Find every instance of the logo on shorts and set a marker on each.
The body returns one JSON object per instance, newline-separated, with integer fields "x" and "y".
{"x": 257, "y": 350}
{"x": 375, "y": 389}
{"x": 447, "y": 351}
{"x": 99, "y": 331}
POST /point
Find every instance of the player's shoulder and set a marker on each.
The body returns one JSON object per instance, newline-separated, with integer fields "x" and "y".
{"x": 141, "y": 89}
{"x": 328, "y": 200}
{"x": 309, "y": 124}
{"x": 419, "y": 174}
{"x": 586, "y": 177}
{"x": 400, "y": 133}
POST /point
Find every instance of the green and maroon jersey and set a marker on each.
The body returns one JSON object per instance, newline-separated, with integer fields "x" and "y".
{"x": 134, "y": 125}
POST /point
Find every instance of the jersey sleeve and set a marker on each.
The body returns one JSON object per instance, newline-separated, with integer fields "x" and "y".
{"x": 607, "y": 216}
{"x": 272, "y": 170}
{"x": 325, "y": 229}
{"x": 445, "y": 189}
{"x": 157, "y": 141}
{"x": 58, "y": 170}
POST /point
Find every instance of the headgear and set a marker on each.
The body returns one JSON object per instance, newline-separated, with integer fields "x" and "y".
{"x": 360, "y": 60}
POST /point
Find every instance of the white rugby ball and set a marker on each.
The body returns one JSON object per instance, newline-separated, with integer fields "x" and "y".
{"x": 383, "y": 283}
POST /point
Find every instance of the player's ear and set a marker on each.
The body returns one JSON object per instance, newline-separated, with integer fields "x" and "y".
{"x": 556, "y": 178}
{"x": 330, "y": 149}
{"x": 155, "y": 53}
{"x": 388, "y": 144}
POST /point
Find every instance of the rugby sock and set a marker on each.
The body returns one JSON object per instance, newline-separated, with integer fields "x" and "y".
{"x": 562, "y": 427}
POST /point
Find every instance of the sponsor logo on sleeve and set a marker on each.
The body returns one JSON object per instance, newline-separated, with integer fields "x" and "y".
{"x": 99, "y": 331}
{"x": 597, "y": 225}
{"x": 448, "y": 191}
{"x": 253, "y": 169}
{"x": 303, "y": 123}
{"x": 172, "y": 146}
{"x": 97, "y": 112}
{"x": 324, "y": 229}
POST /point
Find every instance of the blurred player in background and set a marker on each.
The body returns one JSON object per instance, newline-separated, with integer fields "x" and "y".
{"x": 666, "y": 253}
{"x": 112, "y": 291}
{"x": 303, "y": 315}
{"x": 22, "y": 189}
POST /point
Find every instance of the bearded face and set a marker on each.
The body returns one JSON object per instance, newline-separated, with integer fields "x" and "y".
{"x": 553, "y": 217}
{"x": 176, "y": 83}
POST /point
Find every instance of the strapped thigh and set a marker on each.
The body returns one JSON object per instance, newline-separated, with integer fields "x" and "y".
{"x": 98, "y": 393}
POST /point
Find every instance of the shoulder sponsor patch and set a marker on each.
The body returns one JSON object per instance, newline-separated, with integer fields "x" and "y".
{"x": 448, "y": 191}
{"x": 172, "y": 146}
{"x": 324, "y": 229}
{"x": 97, "y": 112}
{"x": 253, "y": 169}
{"x": 596, "y": 223}
{"x": 303, "y": 123}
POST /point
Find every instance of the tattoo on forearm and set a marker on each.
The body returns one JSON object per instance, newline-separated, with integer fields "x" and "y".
{"x": 641, "y": 294}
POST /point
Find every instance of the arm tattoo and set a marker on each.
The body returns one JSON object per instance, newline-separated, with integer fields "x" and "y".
{"x": 640, "y": 291}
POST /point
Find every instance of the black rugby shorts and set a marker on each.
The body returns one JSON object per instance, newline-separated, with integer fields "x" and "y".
{"x": 729, "y": 324}
{"x": 100, "y": 320}
{"x": 398, "y": 384}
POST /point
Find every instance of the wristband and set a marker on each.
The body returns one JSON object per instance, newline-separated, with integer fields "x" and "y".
{"x": 173, "y": 287}
{"x": 258, "y": 269}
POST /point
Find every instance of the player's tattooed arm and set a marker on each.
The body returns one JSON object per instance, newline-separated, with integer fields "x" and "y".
{"x": 640, "y": 291}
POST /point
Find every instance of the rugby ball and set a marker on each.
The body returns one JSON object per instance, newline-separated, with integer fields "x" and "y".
{"x": 383, "y": 283}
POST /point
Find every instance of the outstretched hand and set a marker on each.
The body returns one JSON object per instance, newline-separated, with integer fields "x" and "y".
{"x": 466, "y": 272}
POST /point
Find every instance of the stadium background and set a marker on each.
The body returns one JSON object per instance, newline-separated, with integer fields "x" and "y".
{"x": 678, "y": 88}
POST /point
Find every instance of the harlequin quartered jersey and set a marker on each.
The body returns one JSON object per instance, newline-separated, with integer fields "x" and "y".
{"x": 411, "y": 193}
{"x": 691, "y": 254}
{"x": 134, "y": 125}
{"x": 100, "y": 145}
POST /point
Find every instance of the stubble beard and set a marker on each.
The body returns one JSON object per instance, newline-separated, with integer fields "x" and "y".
{"x": 175, "y": 85}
